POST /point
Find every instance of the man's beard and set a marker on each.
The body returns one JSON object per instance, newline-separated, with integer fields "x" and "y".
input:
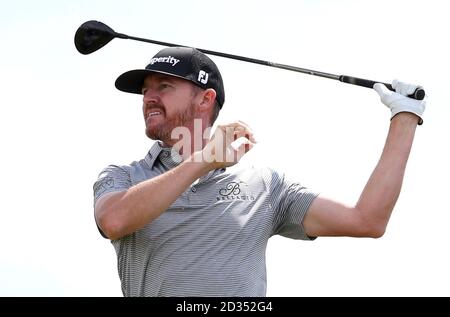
{"x": 163, "y": 131}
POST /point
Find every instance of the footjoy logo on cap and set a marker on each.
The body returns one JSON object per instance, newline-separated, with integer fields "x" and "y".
{"x": 166, "y": 59}
{"x": 203, "y": 77}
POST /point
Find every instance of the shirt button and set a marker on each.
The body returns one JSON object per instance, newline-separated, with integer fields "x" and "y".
{"x": 165, "y": 154}
{"x": 194, "y": 189}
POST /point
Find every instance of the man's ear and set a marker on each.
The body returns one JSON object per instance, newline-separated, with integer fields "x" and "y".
{"x": 208, "y": 98}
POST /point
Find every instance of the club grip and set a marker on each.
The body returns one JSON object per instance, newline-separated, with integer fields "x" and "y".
{"x": 418, "y": 94}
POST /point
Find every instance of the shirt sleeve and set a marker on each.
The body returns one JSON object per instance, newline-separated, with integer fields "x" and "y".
{"x": 111, "y": 179}
{"x": 290, "y": 201}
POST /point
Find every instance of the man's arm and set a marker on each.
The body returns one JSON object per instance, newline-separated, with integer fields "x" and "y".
{"x": 121, "y": 213}
{"x": 370, "y": 215}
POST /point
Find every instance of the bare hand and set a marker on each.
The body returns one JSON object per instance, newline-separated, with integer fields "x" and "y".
{"x": 222, "y": 150}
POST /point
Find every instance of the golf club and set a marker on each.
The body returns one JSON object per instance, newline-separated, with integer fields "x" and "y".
{"x": 93, "y": 35}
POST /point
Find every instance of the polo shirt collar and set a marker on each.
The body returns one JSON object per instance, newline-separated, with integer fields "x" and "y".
{"x": 170, "y": 158}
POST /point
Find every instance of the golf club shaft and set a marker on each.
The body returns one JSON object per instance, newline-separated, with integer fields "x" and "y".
{"x": 418, "y": 94}
{"x": 237, "y": 57}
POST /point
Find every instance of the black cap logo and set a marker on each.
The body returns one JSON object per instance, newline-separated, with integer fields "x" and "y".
{"x": 164, "y": 59}
{"x": 203, "y": 77}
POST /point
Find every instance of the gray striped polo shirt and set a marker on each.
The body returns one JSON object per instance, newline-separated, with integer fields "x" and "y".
{"x": 212, "y": 240}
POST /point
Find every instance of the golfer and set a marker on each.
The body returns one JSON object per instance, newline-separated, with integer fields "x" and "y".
{"x": 183, "y": 223}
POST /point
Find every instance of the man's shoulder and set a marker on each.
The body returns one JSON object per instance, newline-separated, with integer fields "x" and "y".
{"x": 124, "y": 166}
{"x": 135, "y": 167}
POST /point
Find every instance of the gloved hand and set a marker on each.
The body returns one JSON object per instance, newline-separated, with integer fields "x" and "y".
{"x": 398, "y": 101}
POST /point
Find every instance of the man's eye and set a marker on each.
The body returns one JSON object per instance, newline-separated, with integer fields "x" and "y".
{"x": 161, "y": 86}
{"x": 164, "y": 85}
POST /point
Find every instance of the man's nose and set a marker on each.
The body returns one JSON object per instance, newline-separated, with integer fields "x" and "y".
{"x": 150, "y": 96}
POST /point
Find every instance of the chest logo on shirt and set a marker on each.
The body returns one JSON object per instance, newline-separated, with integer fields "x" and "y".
{"x": 234, "y": 191}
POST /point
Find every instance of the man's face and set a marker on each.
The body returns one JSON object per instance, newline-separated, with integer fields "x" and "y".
{"x": 169, "y": 102}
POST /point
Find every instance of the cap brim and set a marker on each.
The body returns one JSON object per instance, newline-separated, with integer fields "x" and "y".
{"x": 133, "y": 80}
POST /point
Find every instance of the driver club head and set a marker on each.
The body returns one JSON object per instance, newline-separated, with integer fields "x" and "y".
{"x": 93, "y": 35}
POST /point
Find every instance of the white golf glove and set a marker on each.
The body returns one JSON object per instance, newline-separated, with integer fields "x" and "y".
{"x": 398, "y": 101}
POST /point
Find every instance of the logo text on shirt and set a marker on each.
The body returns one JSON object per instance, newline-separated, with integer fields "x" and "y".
{"x": 102, "y": 185}
{"x": 233, "y": 191}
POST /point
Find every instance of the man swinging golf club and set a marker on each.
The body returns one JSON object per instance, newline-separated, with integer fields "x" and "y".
{"x": 183, "y": 224}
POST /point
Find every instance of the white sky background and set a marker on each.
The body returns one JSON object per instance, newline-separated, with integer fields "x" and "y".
{"x": 62, "y": 121}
